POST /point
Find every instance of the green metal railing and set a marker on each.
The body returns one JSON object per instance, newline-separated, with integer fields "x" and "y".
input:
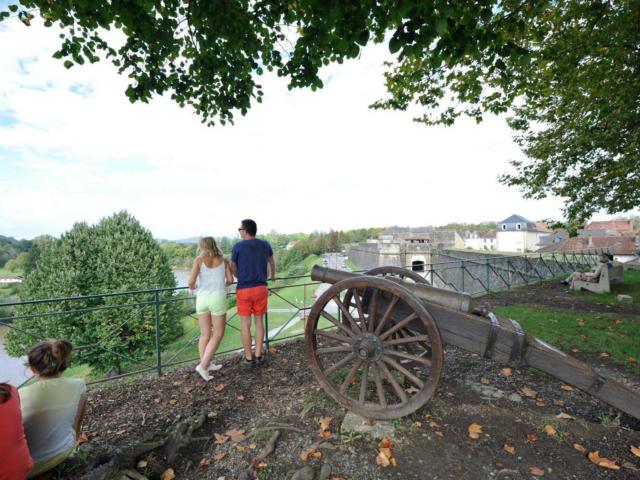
{"x": 290, "y": 300}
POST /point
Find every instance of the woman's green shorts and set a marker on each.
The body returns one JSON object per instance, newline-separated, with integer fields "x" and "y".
{"x": 211, "y": 302}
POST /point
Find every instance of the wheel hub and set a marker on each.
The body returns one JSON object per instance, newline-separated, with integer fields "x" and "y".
{"x": 368, "y": 347}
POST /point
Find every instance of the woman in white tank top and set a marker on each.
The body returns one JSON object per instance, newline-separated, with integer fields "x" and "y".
{"x": 209, "y": 277}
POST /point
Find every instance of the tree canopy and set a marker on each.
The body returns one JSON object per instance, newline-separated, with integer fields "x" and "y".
{"x": 117, "y": 254}
{"x": 566, "y": 71}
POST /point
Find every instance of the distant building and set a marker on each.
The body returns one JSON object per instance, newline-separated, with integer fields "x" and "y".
{"x": 480, "y": 241}
{"x": 623, "y": 248}
{"x": 517, "y": 234}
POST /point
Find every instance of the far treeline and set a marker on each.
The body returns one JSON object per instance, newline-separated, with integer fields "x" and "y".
{"x": 290, "y": 249}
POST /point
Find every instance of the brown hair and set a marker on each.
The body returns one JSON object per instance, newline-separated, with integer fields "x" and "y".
{"x": 209, "y": 247}
{"x": 50, "y": 358}
{"x": 5, "y": 392}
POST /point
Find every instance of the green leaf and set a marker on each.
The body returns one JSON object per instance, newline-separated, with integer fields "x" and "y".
{"x": 68, "y": 64}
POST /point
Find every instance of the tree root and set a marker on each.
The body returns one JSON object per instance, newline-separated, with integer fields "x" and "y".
{"x": 117, "y": 463}
{"x": 270, "y": 446}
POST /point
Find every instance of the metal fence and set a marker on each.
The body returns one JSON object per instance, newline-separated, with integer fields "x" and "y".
{"x": 149, "y": 312}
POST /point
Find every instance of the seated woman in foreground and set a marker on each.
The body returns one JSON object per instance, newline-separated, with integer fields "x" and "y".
{"x": 15, "y": 461}
{"x": 593, "y": 275}
{"x": 52, "y": 407}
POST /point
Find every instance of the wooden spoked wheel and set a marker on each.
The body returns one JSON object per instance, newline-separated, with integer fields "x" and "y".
{"x": 382, "y": 360}
{"x": 397, "y": 272}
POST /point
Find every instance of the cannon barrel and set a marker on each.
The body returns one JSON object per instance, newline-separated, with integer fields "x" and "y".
{"x": 502, "y": 340}
{"x": 426, "y": 293}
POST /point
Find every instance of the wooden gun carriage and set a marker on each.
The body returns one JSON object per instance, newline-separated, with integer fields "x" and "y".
{"x": 375, "y": 343}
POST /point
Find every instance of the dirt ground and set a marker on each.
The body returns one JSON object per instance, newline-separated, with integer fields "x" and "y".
{"x": 432, "y": 443}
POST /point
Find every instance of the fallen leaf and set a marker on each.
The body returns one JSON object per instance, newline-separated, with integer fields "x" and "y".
{"x": 484, "y": 381}
{"x": 236, "y": 435}
{"x": 173, "y": 401}
{"x": 338, "y": 478}
{"x": 433, "y": 424}
{"x": 440, "y": 434}
{"x": 538, "y": 472}
{"x": 602, "y": 461}
{"x": 142, "y": 464}
{"x": 580, "y": 323}
{"x": 507, "y": 372}
{"x": 309, "y": 452}
{"x": 241, "y": 448}
{"x": 509, "y": 448}
{"x": 168, "y": 474}
{"x": 220, "y": 439}
{"x": 604, "y": 355}
{"x": 325, "y": 422}
{"x": 82, "y": 438}
{"x": 551, "y": 430}
{"x": 382, "y": 460}
{"x": 632, "y": 360}
{"x": 532, "y": 437}
{"x": 386, "y": 443}
{"x": 575, "y": 350}
{"x": 559, "y": 403}
{"x": 212, "y": 414}
{"x": 386, "y": 452}
{"x": 529, "y": 392}
{"x": 635, "y": 450}
{"x": 253, "y": 446}
{"x": 240, "y": 397}
{"x": 617, "y": 322}
{"x": 579, "y": 447}
{"x": 565, "y": 416}
{"x": 417, "y": 424}
{"x": 324, "y": 434}
{"x": 539, "y": 403}
{"x": 204, "y": 462}
{"x": 219, "y": 456}
{"x": 411, "y": 390}
{"x": 566, "y": 388}
{"x": 219, "y": 387}
{"x": 121, "y": 431}
{"x": 475, "y": 430}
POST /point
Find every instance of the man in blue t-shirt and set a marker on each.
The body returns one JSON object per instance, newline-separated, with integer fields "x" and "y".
{"x": 249, "y": 260}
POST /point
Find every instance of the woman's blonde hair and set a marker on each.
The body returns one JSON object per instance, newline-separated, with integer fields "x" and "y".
{"x": 209, "y": 247}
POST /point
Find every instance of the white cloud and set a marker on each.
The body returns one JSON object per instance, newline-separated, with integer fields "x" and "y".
{"x": 300, "y": 161}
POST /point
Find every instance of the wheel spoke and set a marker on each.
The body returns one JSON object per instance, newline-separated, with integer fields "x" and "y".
{"x": 339, "y": 364}
{"x": 364, "y": 382}
{"x": 350, "y": 376}
{"x": 401, "y": 341}
{"x": 415, "y": 380}
{"x": 341, "y": 348}
{"x": 379, "y": 388}
{"x": 338, "y": 324}
{"x": 399, "y": 326}
{"x": 347, "y": 315}
{"x": 399, "y": 353}
{"x": 387, "y": 314}
{"x": 356, "y": 297}
{"x": 373, "y": 310}
{"x": 333, "y": 336}
{"x": 397, "y": 388}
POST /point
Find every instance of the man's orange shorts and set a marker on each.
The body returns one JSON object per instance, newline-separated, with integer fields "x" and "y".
{"x": 252, "y": 300}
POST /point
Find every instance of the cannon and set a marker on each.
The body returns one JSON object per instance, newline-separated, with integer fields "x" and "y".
{"x": 375, "y": 342}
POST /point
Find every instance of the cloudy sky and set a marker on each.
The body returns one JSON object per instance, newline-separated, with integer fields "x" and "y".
{"x": 73, "y": 148}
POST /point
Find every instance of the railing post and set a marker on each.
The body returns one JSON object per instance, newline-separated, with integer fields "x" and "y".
{"x": 462, "y": 272}
{"x": 158, "y": 351}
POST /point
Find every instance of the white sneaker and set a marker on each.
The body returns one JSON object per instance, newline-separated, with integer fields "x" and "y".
{"x": 203, "y": 373}
{"x": 214, "y": 367}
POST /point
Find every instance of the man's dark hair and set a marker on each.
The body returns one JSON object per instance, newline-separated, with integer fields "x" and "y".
{"x": 250, "y": 227}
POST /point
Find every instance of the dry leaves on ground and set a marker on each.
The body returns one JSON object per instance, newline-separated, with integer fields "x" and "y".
{"x": 602, "y": 461}
{"x": 310, "y": 452}
{"x": 484, "y": 381}
{"x": 528, "y": 392}
{"x": 475, "y": 430}
{"x": 509, "y": 448}
{"x": 565, "y": 416}
{"x": 324, "y": 432}
{"x": 205, "y": 462}
{"x": 168, "y": 474}
{"x": 532, "y": 437}
{"x": 507, "y": 372}
{"x": 385, "y": 456}
{"x": 538, "y": 472}
{"x": 566, "y": 388}
{"x": 220, "y": 439}
{"x": 219, "y": 387}
{"x": 551, "y": 430}
{"x": 235, "y": 435}
{"x": 635, "y": 450}
{"x": 604, "y": 355}
{"x": 579, "y": 447}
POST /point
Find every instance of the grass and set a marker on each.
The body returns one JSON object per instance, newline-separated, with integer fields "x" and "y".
{"x": 4, "y": 271}
{"x": 614, "y": 334}
{"x": 630, "y": 286}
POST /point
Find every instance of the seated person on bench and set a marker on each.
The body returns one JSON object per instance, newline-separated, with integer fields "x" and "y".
{"x": 592, "y": 276}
